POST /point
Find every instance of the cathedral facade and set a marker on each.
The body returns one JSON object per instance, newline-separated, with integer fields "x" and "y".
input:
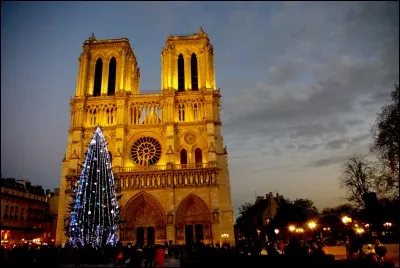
{"x": 168, "y": 157}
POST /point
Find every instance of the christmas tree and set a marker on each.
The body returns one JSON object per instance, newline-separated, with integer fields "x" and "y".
{"x": 95, "y": 213}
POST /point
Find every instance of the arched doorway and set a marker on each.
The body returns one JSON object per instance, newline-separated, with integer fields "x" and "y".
{"x": 193, "y": 221}
{"x": 143, "y": 221}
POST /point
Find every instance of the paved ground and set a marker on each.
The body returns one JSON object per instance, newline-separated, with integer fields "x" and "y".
{"x": 392, "y": 252}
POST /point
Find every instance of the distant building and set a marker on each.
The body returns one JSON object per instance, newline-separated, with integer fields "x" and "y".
{"x": 265, "y": 208}
{"x": 24, "y": 212}
{"x": 271, "y": 207}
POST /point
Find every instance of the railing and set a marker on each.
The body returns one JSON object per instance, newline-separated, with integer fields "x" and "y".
{"x": 164, "y": 167}
{"x": 167, "y": 178}
{"x": 171, "y": 175}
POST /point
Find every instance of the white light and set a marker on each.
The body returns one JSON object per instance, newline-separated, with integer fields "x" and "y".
{"x": 89, "y": 212}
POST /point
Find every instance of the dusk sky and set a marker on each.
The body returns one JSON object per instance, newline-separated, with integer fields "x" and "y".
{"x": 301, "y": 82}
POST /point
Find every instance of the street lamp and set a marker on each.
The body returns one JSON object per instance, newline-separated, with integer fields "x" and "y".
{"x": 276, "y": 231}
{"x": 312, "y": 225}
{"x": 346, "y": 220}
{"x": 225, "y": 235}
{"x": 387, "y": 224}
{"x": 292, "y": 228}
{"x": 360, "y": 230}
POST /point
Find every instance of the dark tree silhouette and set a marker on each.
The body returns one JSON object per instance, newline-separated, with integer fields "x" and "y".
{"x": 386, "y": 140}
{"x": 357, "y": 178}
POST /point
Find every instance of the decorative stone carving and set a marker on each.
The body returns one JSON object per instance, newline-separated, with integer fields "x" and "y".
{"x": 162, "y": 131}
{"x": 170, "y": 218}
{"x": 215, "y": 216}
{"x": 201, "y": 129}
{"x": 190, "y": 138}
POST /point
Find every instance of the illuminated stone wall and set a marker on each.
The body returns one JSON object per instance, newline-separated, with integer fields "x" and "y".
{"x": 147, "y": 133}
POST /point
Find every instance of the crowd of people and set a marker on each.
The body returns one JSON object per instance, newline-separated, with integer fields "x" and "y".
{"x": 354, "y": 250}
{"x": 309, "y": 252}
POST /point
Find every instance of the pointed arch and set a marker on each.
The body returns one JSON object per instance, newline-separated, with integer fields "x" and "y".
{"x": 112, "y": 75}
{"x": 194, "y": 75}
{"x": 192, "y": 210}
{"x": 183, "y": 157}
{"x": 98, "y": 74}
{"x": 181, "y": 73}
{"x": 143, "y": 210}
{"x": 198, "y": 156}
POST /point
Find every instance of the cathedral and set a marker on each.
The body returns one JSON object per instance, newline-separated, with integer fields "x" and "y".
{"x": 168, "y": 156}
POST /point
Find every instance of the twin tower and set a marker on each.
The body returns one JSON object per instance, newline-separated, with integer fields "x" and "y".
{"x": 167, "y": 150}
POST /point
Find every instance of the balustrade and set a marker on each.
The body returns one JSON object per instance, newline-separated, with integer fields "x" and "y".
{"x": 158, "y": 176}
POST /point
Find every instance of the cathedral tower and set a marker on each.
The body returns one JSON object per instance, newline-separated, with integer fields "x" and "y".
{"x": 167, "y": 150}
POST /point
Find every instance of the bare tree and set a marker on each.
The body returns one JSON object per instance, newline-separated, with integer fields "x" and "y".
{"x": 357, "y": 178}
{"x": 386, "y": 141}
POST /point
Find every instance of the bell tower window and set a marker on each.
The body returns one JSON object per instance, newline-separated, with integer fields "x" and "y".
{"x": 195, "y": 82}
{"x": 181, "y": 73}
{"x": 112, "y": 73}
{"x": 97, "y": 77}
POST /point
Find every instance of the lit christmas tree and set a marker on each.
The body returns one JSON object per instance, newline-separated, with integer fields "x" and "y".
{"x": 95, "y": 213}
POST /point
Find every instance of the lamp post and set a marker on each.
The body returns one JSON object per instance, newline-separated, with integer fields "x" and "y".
{"x": 346, "y": 219}
{"x": 225, "y": 236}
{"x": 276, "y": 231}
{"x": 312, "y": 225}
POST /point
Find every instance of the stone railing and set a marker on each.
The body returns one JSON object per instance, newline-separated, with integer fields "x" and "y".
{"x": 117, "y": 170}
{"x": 167, "y": 178}
{"x": 171, "y": 175}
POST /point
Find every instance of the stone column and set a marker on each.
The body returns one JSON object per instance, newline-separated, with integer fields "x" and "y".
{"x": 123, "y": 65}
{"x": 78, "y": 91}
{"x": 104, "y": 77}
{"x": 188, "y": 73}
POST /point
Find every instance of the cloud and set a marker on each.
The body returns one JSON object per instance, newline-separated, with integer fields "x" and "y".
{"x": 327, "y": 161}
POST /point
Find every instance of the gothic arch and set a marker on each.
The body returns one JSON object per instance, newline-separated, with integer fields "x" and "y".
{"x": 112, "y": 76}
{"x": 112, "y": 54}
{"x": 194, "y": 72}
{"x": 192, "y": 210}
{"x": 181, "y": 72}
{"x": 98, "y": 74}
{"x": 143, "y": 210}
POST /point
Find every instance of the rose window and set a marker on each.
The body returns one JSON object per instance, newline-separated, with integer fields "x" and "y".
{"x": 146, "y": 151}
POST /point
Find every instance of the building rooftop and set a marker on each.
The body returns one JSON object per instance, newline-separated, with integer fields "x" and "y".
{"x": 22, "y": 185}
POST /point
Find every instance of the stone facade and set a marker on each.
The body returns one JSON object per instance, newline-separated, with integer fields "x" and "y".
{"x": 167, "y": 150}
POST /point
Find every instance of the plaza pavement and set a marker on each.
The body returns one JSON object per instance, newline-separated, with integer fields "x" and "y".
{"x": 391, "y": 255}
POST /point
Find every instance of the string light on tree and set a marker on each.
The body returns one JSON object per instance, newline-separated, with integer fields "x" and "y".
{"x": 91, "y": 223}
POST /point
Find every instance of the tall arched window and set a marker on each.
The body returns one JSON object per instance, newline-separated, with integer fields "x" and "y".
{"x": 97, "y": 77}
{"x": 183, "y": 157}
{"x": 181, "y": 73}
{"x": 198, "y": 156}
{"x": 195, "y": 111}
{"x": 112, "y": 74}
{"x": 195, "y": 82}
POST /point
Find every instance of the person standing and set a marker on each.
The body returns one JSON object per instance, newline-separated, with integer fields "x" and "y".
{"x": 160, "y": 257}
